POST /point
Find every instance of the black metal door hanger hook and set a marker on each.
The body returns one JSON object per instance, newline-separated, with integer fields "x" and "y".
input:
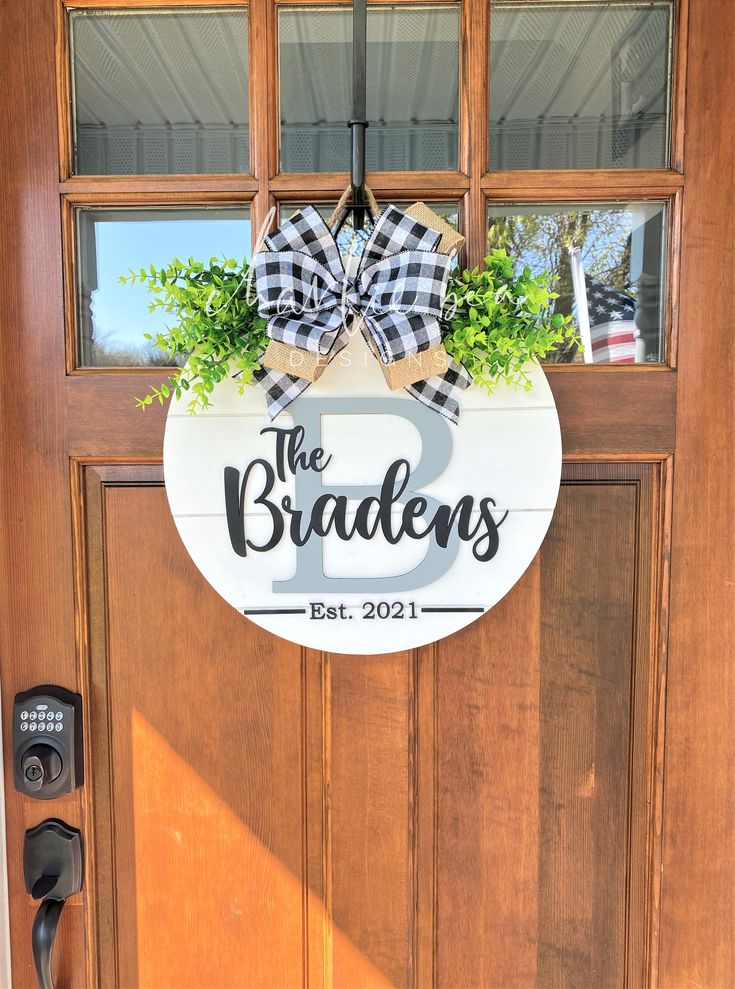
{"x": 358, "y": 124}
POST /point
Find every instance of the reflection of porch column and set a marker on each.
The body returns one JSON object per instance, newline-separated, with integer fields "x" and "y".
{"x": 646, "y": 268}
{"x": 86, "y": 287}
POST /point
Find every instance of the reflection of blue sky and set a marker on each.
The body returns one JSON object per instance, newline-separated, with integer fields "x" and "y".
{"x": 120, "y": 312}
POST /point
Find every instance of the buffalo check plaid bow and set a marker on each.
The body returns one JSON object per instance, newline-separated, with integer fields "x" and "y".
{"x": 397, "y": 293}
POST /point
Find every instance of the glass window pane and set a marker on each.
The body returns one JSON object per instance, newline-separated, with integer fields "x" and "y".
{"x": 160, "y": 91}
{"x": 412, "y": 88}
{"x": 609, "y": 261}
{"x": 580, "y": 85}
{"x": 113, "y": 317}
{"x": 351, "y": 241}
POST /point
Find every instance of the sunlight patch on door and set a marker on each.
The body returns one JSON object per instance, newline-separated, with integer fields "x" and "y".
{"x": 214, "y": 906}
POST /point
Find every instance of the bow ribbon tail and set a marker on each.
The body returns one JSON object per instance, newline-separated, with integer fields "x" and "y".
{"x": 441, "y": 392}
{"x": 282, "y": 388}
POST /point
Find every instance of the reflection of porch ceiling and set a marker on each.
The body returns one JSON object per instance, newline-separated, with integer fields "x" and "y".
{"x": 579, "y": 62}
{"x": 160, "y": 69}
{"x": 587, "y": 84}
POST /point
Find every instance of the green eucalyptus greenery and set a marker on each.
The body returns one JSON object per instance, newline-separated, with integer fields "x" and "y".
{"x": 215, "y": 325}
{"x": 495, "y": 321}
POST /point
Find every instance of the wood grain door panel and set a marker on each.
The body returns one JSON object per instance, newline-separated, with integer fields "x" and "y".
{"x": 198, "y": 740}
{"x": 471, "y": 813}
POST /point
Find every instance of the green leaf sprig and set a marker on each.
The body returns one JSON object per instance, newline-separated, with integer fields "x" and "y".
{"x": 215, "y": 324}
{"x": 495, "y": 321}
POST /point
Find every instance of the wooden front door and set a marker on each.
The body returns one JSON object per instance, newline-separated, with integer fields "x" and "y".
{"x": 543, "y": 799}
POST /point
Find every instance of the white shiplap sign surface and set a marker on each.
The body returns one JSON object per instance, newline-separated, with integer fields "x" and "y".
{"x": 400, "y": 544}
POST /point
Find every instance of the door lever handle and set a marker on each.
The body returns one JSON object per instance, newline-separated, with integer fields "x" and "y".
{"x": 52, "y": 863}
{"x": 42, "y": 940}
{"x": 43, "y": 886}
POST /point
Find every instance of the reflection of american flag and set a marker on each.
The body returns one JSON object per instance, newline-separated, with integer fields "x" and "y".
{"x": 612, "y": 324}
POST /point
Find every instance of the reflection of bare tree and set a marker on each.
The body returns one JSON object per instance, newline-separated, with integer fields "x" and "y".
{"x": 103, "y": 355}
{"x": 542, "y": 241}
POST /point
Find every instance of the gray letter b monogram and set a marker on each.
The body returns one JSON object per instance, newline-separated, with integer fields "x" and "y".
{"x": 436, "y": 441}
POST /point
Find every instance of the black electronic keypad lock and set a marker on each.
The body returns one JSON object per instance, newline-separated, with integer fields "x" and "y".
{"x": 47, "y": 742}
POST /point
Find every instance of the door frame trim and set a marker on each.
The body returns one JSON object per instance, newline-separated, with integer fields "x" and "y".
{"x": 6, "y": 974}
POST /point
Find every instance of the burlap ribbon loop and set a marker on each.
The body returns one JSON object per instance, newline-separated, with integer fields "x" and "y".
{"x": 341, "y": 206}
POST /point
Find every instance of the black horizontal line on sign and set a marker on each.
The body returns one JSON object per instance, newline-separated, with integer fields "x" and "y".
{"x": 436, "y": 611}
{"x": 274, "y": 611}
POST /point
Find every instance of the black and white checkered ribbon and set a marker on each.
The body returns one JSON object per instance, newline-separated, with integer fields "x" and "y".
{"x": 397, "y": 293}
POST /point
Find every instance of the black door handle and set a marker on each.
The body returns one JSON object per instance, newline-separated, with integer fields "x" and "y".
{"x": 42, "y": 940}
{"x": 42, "y": 887}
{"x": 52, "y": 863}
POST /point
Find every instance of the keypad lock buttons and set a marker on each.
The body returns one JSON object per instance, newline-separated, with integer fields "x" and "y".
{"x": 47, "y": 742}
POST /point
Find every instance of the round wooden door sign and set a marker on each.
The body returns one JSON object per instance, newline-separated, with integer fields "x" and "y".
{"x": 361, "y": 521}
